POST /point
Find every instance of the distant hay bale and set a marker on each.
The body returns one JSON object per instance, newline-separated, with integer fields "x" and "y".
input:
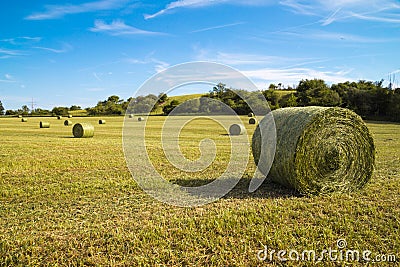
{"x": 59, "y": 117}
{"x": 69, "y": 116}
{"x": 140, "y": 119}
{"x": 319, "y": 150}
{"x": 67, "y": 123}
{"x": 102, "y": 121}
{"x": 19, "y": 116}
{"x": 43, "y": 124}
{"x": 130, "y": 116}
{"x": 237, "y": 129}
{"x": 252, "y": 121}
{"x": 24, "y": 120}
{"x": 251, "y": 114}
{"x": 83, "y": 130}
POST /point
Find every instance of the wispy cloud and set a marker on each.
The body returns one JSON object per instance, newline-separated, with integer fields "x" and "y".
{"x": 219, "y": 27}
{"x": 22, "y": 40}
{"x": 336, "y": 36}
{"x": 377, "y": 18}
{"x": 341, "y": 10}
{"x": 8, "y": 78}
{"x": 203, "y": 3}
{"x": 292, "y": 76}
{"x": 65, "y": 48}
{"x": 159, "y": 65}
{"x": 118, "y": 27}
{"x": 7, "y": 53}
{"x": 243, "y": 59}
{"x": 59, "y": 11}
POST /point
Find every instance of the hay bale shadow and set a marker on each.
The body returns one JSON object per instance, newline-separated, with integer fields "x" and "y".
{"x": 268, "y": 189}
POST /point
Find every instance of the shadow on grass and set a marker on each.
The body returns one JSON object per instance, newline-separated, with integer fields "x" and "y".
{"x": 268, "y": 189}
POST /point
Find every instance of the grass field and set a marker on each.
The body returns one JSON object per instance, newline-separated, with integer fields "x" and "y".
{"x": 69, "y": 202}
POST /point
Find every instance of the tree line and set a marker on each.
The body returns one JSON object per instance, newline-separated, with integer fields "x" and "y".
{"x": 368, "y": 99}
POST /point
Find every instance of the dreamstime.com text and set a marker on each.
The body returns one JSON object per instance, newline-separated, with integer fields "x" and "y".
{"x": 339, "y": 254}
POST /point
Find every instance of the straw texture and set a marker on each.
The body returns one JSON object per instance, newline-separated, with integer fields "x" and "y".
{"x": 319, "y": 150}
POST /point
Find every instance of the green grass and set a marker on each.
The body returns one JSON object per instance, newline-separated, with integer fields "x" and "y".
{"x": 67, "y": 201}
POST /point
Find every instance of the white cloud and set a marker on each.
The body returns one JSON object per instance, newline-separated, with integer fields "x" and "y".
{"x": 204, "y": 3}
{"x": 219, "y": 27}
{"x": 159, "y": 65}
{"x": 118, "y": 27}
{"x": 65, "y": 48}
{"x": 6, "y": 53}
{"x": 8, "y": 78}
{"x": 336, "y": 36}
{"x": 292, "y": 76}
{"x": 58, "y": 11}
{"x": 339, "y": 10}
{"x": 22, "y": 40}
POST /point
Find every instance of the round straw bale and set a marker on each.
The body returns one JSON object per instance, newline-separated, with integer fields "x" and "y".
{"x": 102, "y": 121}
{"x": 69, "y": 116}
{"x": 83, "y": 130}
{"x": 319, "y": 150}
{"x": 24, "y": 120}
{"x": 44, "y": 124}
{"x": 252, "y": 121}
{"x": 251, "y": 114}
{"x": 237, "y": 129}
{"x": 140, "y": 119}
{"x": 59, "y": 117}
{"x": 67, "y": 123}
{"x": 130, "y": 116}
{"x": 19, "y": 116}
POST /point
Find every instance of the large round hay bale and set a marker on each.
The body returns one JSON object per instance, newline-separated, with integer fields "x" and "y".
{"x": 102, "y": 121}
{"x": 83, "y": 130}
{"x": 130, "y": 116}
{"x": 319, "y": 150}
{"x": 59, "y": 117}
{"x": 69, "y": 116}
{"x": 19, "y": 116}
{"x": 251, "y": 114}
{"x": 44, "y": 124}
{"x": 237, "y": 129}
{"x": 140, "y": 119}
{"x": 24, "y": 120}
{"x": 252, "y": 121}
{"x": 67, "y": 123}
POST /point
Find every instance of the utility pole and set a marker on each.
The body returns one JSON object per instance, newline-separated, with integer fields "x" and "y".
{"x": 32, "y": 105}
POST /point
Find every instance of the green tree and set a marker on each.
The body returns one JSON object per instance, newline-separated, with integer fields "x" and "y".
{"x": 168, "y": 108}
{"x": 60, "y": 111}
{"x": 75, "y": 107}
{"x": 162, "y": 98}
{"x": 11, "y": 112}
{"x": 1, "y": 109}
{"x": 25, "y": 110}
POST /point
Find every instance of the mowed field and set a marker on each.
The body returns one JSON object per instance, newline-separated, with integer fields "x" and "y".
{"x": 72, "y": 202}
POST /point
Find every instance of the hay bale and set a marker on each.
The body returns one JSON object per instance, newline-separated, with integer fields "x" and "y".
{"x": 59, "y": 117}
{"x": 69, "y": 116}
{"x": 24, "y": 120}
{"x": 319, "y": 150}
{"x": 83, "y": 130}
{"x": 130, "y": 116}
{"x": 237, "y": 129}
{"x": 252, "y": 121}
{"x": 67, "y": 123}
{"x": 251, "y": 114}
{"x": 19, "y": 116}
{"x": 102, "y": 121}
{"x": 140, "y": 119}
{"x": 43, "y": 124}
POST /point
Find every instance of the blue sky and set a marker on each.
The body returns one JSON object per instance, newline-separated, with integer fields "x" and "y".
{"x": 79, "y": 52}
